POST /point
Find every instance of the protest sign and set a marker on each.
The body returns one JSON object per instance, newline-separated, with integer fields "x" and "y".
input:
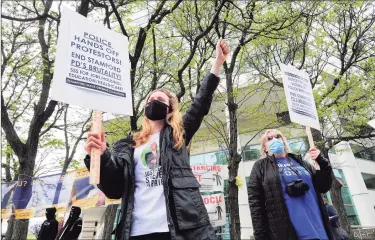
{"x": 300, "y": 100}
{"x": 210, "y": 177}
{"x": 215, "y": 205}
{"x": 299, "y": 97}
{"x": 92, "y": 68}
{"x": 372, "y": 123}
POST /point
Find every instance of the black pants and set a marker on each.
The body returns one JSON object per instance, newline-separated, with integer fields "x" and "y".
{"x": 153, "y": 236}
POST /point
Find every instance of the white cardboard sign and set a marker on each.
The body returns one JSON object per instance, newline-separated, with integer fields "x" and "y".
{"x": 372, "y": 123}
{"x": 299, "y": 97}
{"x": 215, "y": 205}
{"x": 92, "y": 68}
{"x": 210, "y": 177}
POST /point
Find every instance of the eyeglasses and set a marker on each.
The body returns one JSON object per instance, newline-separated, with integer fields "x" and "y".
{"x": 269, "y": 138}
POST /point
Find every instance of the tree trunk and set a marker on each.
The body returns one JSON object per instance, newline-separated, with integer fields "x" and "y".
{"x": 338, "y": 203}
{"x": 26, "y": 170}
{"x": 109, "y": 220}
{"x": 335, "y": 190}
{"x": 9, "y": 233}
{"x": 133, "y": 119}
{"x": 8, "y": 176}
{"x": 133, "y": 123}
{"x": 235, "y": 225}
{"x": 84, "y": 8}
{"x": 234, "y": 160}
{"x": 20, "y": 229}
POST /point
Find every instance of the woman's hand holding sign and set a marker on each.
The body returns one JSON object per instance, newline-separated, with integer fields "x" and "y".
{"x": 314, "y": 152}
{"x": 96, "y": 140}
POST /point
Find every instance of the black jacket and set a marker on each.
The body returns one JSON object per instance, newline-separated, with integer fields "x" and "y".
{"x": 187, "y": 215}
{"x": 71, "y": 230}
{"x": 48, "y": 230}
{"x": 269, "y": 212}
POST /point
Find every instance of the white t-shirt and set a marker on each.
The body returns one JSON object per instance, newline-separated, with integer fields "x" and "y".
{"x": 150, "y": 212}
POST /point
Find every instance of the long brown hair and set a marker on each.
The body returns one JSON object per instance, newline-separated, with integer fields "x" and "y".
{"x": 173, "y": 119}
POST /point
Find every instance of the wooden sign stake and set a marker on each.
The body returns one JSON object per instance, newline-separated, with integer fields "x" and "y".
{"x": 95, "y": 153}
{"x": 311, "y": 143}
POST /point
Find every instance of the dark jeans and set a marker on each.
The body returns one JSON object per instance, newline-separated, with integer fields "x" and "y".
{"x": 153, "y": 236}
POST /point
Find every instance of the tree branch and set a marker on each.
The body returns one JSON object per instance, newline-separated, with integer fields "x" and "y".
{"x": 114, "y": 8}
{"x": 11, "y": 135}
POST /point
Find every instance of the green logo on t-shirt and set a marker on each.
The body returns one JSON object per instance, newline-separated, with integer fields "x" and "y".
{"x": 150, "y": 156}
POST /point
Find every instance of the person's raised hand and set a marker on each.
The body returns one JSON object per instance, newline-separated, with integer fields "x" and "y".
{"x": 314, "y": 152}
{"x": 222, "y": 51}
{"x": 96, "y": 140}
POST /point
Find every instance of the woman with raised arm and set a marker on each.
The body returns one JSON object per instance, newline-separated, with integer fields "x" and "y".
{"x": 150, "y": 169}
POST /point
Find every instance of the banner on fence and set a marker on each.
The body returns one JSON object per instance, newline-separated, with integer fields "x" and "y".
{"x": 30, "y": 197}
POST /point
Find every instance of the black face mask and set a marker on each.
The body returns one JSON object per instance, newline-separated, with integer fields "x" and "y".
{"x": 156, "y": 110}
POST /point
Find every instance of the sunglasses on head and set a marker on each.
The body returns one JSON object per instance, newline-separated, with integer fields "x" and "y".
{"x": 269, "y": 138}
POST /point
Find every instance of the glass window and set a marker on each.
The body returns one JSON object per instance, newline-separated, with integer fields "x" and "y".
{"x": 347, "y": 198}
{"x": 251, "y": 153}
{"x": 340, "y": 176}
{"x": 352, "y": 215}
{"x": 369, "y": 180}
{"x": 298, "y": 145}
{"x": 213, "y": 158}
{"x": 247, "y": 181}
{"x": 345, "y": 195}
{"x": 364, "y": 153}
{"x": 225, "y": 229}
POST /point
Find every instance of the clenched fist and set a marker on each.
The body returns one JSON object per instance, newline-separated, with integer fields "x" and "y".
{"x": 222, "y": 51}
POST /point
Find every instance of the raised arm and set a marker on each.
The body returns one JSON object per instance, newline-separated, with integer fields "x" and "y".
{"x": 202, "y": 101}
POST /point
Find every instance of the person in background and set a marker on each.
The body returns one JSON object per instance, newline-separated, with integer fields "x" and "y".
{"x": 337, "y": 231}
{"x": 160, "y": 195}
{"x": 284, "y": 192}
{"x": 73, "y": 225}
{"x": 50, "y": 226}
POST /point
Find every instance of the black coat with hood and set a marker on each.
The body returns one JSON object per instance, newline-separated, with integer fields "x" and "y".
{"x": 186, "y": 213}
{"x": 269, "y": 212}
{"x": 50, "y": 226}
{"x": 73, "y": 225}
